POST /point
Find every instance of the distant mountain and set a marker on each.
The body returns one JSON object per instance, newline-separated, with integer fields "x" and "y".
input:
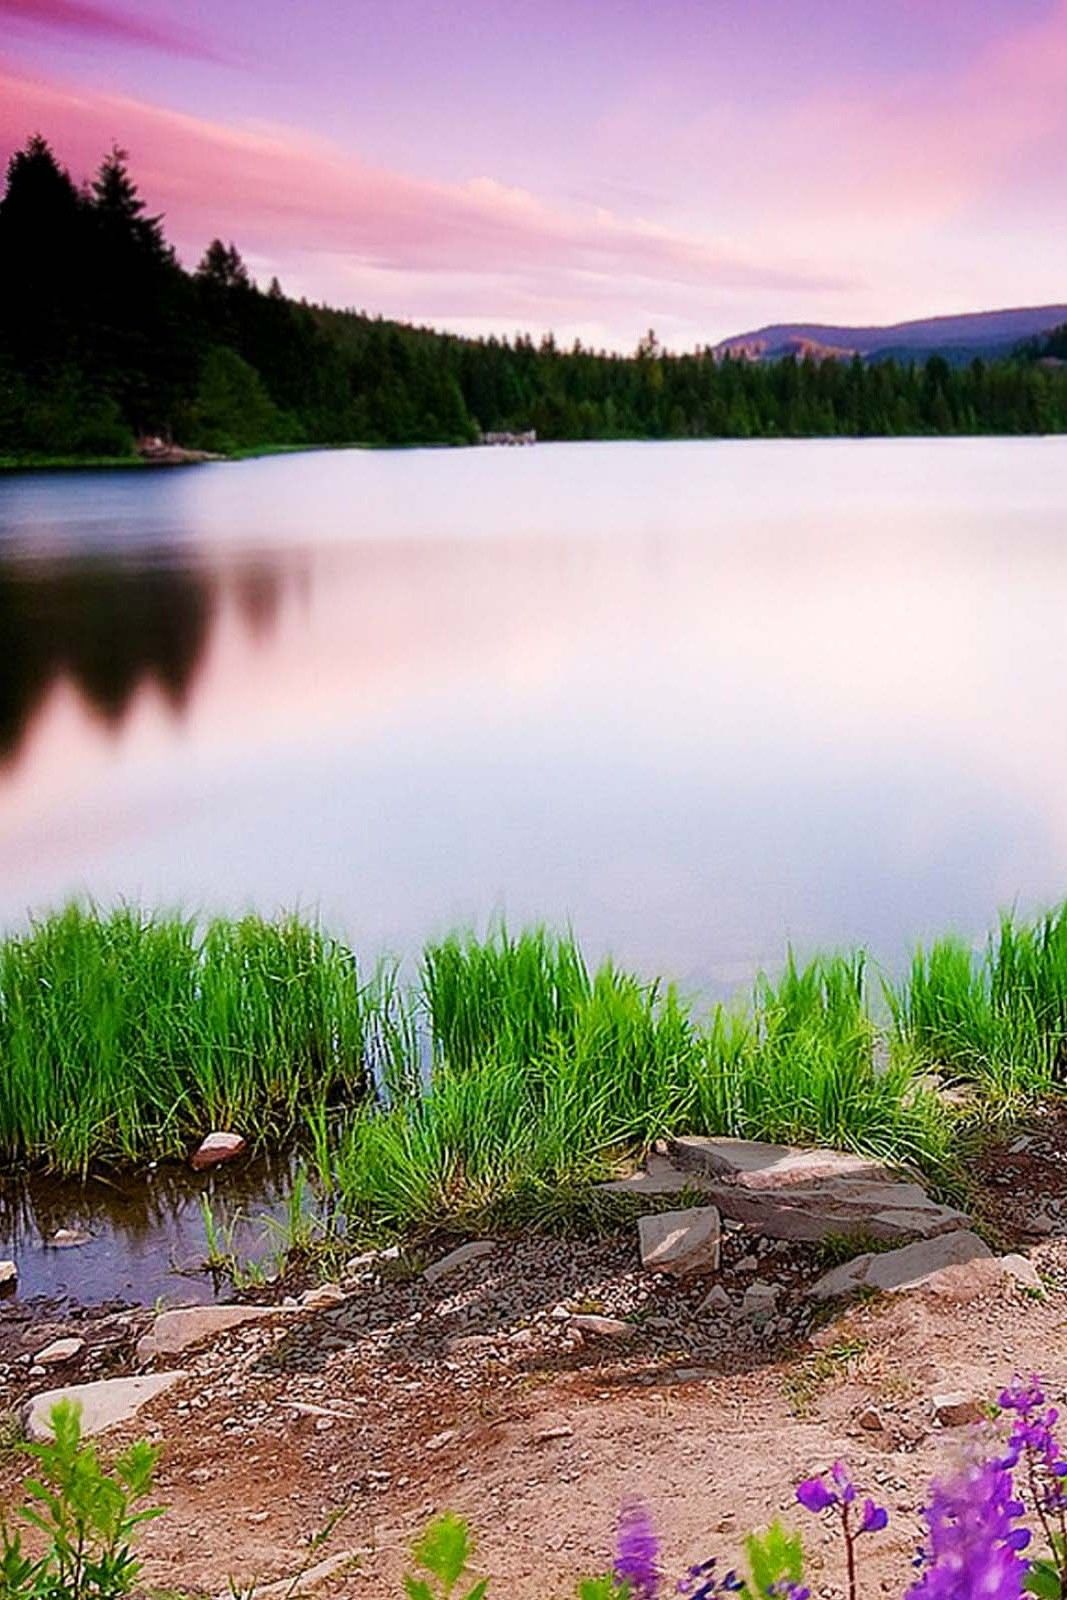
{"x": 960, "y": 338}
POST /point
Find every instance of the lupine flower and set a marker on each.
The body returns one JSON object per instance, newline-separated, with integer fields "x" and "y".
{"x": 637, "y": 1555}
{"x": 702, "y": 1583}
{"x": 836, "y": 1488}
{"x": 874, "y": 1518}
{"x": 973, "y": 1542}
{"x": 1033, "y": 1436}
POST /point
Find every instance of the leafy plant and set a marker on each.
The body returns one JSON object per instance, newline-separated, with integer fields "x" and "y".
{"x": 86, "y": 1515}
{"x": 444, "y": 1552}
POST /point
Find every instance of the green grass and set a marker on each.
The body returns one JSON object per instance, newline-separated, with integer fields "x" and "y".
{"x": 509, "y": 1077}
{"x": 47, "y": 463}
{"x": 996, "y": 1019}
{"x": 544, "y": 1076}
{"x": 125, "y": 1036}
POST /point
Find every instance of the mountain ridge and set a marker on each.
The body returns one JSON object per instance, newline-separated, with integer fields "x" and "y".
{"x": 961, "y": 335}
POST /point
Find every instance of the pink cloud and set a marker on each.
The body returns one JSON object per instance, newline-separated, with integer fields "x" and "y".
{"x": 85, "y": 20}
{"x": 280, "y": 191}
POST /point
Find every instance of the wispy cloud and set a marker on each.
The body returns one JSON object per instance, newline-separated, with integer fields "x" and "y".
{"x": 83, "y": 20}
{"x": 284, "y": 193}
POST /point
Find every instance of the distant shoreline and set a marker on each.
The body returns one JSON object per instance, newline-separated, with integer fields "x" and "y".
{"x": 66, "y": 463}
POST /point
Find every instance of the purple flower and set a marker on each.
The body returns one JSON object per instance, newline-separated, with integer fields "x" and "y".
{"x": 874, "y": 1519}
{"x": 973, "y": 1543}
{"x": 815, "y": 1496}
{"x": 637, "y": 1555}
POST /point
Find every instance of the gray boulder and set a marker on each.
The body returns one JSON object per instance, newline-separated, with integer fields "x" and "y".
{"x": 103, "y": 1404}
{"x": 681, "y": 1242}
{"x": 912, "y": 1267}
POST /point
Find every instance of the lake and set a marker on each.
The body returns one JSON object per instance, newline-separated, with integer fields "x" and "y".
{"x": 696, "y": 699}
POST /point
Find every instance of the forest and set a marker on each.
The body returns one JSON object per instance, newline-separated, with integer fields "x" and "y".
{"x": 105, "y": 338}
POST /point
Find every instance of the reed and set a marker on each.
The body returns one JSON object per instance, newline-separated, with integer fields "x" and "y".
{"x": 544, "y": 1076}
{"x": 125, "y": 1036}
{"x": 995, "y": 1018}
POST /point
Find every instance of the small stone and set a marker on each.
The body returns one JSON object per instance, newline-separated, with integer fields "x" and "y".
{"x": 60, "y": 1350}
{"x": 956, "y": 1410}
{"x": 715, "y": 1300}
{"x": 564, "y": 1431}
{"x": 69, "y": 1239}
{"x": 681, "y": 1242}
{"x": 560, "y": 1314}
{"x": 760, "y": 1301}
{"x": 323, "y": 1297}
{"x": 870, "y": 1420}
{"x": 439, "y": 1440}
{"x": 8, "y": 1272}
{"x": 603, "y": 1327}
{"x": 458, "y": 1258}
{"x": 1023, "y": 1271}
{"x": 1041, "y": 1222}
{"x": 258, "y": 1516}
{"x": 215, "y": 1149}
{"x": 747, "y": 1264}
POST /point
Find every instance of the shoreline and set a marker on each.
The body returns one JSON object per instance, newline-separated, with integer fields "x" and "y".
{"x": 11, "y": 465}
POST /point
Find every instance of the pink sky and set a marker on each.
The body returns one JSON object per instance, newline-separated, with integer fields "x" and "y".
{"x": 591, "y": 166}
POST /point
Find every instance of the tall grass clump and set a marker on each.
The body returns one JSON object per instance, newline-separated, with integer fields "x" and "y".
{"x": 995, "y": 1018}
{"x": 543, "y": 1076}
{"x": 124, "y": 1036}
{"x": 810, "y": 1066}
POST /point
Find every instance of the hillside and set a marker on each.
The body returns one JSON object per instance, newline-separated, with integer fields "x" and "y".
{"x": 964, "y": 337}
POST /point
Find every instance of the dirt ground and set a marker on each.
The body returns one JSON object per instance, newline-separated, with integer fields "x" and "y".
{"x": 476, "y": 1395}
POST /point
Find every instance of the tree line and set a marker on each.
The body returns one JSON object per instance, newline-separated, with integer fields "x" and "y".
{"x": 104, "y": 338}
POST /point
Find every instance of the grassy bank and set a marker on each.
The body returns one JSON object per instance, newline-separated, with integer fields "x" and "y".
{"x": 124, "y": 1036}
{"x": 508, "y": 1075}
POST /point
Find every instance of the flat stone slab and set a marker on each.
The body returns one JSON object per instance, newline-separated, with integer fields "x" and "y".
{"x": 681, "y": 1242}
{"x": 755, "y": 1165}
{"x": 912, "y": 1267}
{"x": 458, "y": 1258}
{"x": 103, "y": 1404}
{"x": 174, "y": 1331}
{"x": 846, "y": 1205}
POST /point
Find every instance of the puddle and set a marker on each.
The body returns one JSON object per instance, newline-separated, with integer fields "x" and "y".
{"x": 147, "y": 1239}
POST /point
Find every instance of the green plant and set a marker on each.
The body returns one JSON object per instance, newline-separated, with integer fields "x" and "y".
{"x": 444, "y": 1552}
{"x": 86, "y": 1516}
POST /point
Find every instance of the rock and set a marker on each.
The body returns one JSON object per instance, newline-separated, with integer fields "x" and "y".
{"x": 912, "y": 1267}
{"x": 760, "y": 1301}
{"x": 8, "y": 1272}
{"x": 215, "y": 1149}
{"x": 103, "y": 1404}
{"x": 458, "y": 1258}
{"x": 60, "y": 1350}
{"x": 956, "y": 1410}
{"x": 174, "y": 1331}
{"x": 789, "y": 1193}
{"x": 564, "y": 1431}
{"x": 1024, "y": 1272}
{"x": 681, "y": 1242}
{"x": 439, "y": 1440}
{"x": 870, "y": 1420}
{"x": 69, "y": 1239}
{"x": 715, "y": 1300}
{"x": 305, "y": 1580}
{"x": 755, "y": 1165}
{"x": 747, "y": 1264}
{"x": 602, "y": 1327}
{"x": 1041, "y": 1222}
{"x": 323, "y": 1297}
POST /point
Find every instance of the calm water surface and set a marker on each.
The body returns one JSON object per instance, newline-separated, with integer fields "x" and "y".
{"x": 695, "y": 699}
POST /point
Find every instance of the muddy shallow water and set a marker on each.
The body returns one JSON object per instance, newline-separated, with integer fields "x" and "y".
{"x": 147, "y": 1231}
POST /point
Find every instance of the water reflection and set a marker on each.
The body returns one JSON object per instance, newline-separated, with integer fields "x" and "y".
{"x": 147, "y": 1235}
{"x": 693, "y": 699}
